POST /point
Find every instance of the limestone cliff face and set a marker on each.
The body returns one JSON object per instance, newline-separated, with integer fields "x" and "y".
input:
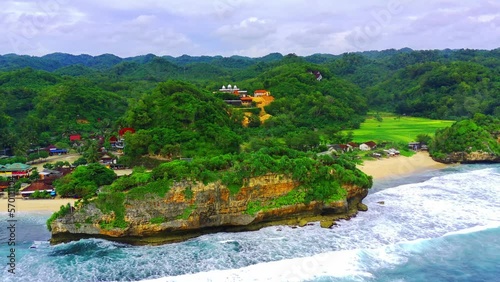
{"x": 211, "y": 208}
{"x": 473, "y": 157}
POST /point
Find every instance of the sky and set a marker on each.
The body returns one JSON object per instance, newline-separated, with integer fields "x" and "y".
{"x": 244, "y": 27}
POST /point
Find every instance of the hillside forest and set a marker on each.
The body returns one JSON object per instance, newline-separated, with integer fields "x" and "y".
{"x": 178, "y": 118}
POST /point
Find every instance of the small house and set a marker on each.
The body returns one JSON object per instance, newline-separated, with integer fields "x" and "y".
{"x": 4, "y": 185}
{"x": 371, "y": 144}
{"x": 414, "y": 146}
{"x": 364, "y": 147}
{"x": 353, "y": 145}
{"x": 246, "y": 101}
{"x": 261, "y": 93}
{"x": 106, "y": 159}
{"x": 122, "y": 131}
{"x": 113, "y": 140}
{"x": 36, "y": 186}
{"x": 16, "y": 170}
{"x": 75, "y": 137}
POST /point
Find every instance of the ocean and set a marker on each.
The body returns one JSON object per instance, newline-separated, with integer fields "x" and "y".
{"x": 435, "y": 226}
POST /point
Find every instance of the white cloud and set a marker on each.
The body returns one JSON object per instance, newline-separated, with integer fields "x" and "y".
{"x": 484, "y": 18}
{"x": 144, "y": 20}
{"x": 245, "y": 27}
{"x": 252, "y": 28}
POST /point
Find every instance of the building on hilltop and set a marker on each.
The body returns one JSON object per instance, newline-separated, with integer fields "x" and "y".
{"x": 246, "y": 100}
{"x": 261, "y": 93}
{"x": 232, "y": 90}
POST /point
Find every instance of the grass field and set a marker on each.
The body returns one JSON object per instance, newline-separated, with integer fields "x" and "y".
{"x": 392, "y": 128}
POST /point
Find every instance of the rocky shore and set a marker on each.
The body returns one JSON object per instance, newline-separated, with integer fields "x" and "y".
{"x": 469, "y": 158}
{"x": 205, "y": 209}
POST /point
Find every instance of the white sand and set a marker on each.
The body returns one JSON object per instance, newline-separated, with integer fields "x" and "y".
{"x": 399, "y": 166}
{"x": 47, "y": 205}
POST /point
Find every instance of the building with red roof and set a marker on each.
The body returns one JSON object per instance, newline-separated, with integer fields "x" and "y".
{"x": 75, "y": 137}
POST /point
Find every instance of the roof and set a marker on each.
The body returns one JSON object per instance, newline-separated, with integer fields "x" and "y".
{"x": 352, "y": 144}
{"x": 260, "y": 91}
{"x": 37, "y": 186}
{"x": 125, "y": 130}
{"x": 51, "y": 171}
{"x": 75, "y": 137}
{"x": 64, "y": 170}
{"x": 15, "y": 167}
{"x": 370, "y": 144}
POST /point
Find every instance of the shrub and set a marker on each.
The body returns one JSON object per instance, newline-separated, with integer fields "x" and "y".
{"x": 63, "y": 210}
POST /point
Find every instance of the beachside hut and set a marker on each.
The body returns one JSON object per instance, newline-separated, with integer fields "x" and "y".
{"x": 364, "y": 147}
{"x": 17, "y": 170}
{"x": 36, "y": 186}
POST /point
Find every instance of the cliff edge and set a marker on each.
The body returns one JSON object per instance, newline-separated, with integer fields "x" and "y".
{"x": 191, "y": 209}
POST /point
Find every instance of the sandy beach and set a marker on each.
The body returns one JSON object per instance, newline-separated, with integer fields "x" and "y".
{"x": 48, "y": 205}
{"x": 379, "y": 169}
{"x": 400, "y": 166}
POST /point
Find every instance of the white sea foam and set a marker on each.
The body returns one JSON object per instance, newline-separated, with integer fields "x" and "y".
{"x": 333, "y": 264}
{"x": 379, "y": 238}
{"x": 492, "y": 225}
{"x": 412, "y": 215}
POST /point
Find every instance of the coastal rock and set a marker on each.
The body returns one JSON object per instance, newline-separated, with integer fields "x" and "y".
{"x": 469, "y": 158}
{"x": 381, "y": 203}
{"x": 362, "y": 207}
{"x": 303, "y": 222}
{"x": 326, "y": 223}
{"x": 211, "y": 208}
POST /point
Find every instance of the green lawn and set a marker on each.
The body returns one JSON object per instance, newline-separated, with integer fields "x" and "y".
{"x": 403, "y": 129}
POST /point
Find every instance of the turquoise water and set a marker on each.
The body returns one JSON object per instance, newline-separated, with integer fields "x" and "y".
{"x": 437, "y": 226}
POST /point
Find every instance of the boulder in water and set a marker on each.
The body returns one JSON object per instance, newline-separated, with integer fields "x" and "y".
{"x": 362, "y": 207}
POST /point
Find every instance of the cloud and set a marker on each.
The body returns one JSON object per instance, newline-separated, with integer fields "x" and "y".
{"x": 249, "y": 29}
{"x": 245, "y": 27}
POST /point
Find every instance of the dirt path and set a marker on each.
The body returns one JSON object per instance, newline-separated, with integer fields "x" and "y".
{"x": 71, "y": 158}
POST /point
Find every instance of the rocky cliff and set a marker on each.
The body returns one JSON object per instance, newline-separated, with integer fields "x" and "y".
{"x": 205, "y": 209}
{"x": 469, "y": 158}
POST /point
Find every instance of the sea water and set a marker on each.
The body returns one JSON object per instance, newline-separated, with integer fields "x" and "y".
{"x": 436, "y": 226}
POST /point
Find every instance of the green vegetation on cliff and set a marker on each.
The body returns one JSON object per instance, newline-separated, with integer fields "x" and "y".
{"x": 84, "y": 181}
{"x": 479, "y": 134}
{"x": 320, "y": 178}
{"x": 180, "y": 120}
{"x": 186, "y": 133}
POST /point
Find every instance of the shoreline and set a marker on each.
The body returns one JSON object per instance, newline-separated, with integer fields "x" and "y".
{"x": 43, "y": 205}
{"x": 399, "y": 166}
{"x": 393, "y": 167}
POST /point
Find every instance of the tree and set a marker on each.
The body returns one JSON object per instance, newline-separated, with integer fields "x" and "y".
{"x": 91, "y": 154}
{"x": 253, "y": 121}
{"x": 424, "y": 138}
{"x": 85, "y": 181}
{"x": 43, "y": 154}
{"x": 34, "y": 175}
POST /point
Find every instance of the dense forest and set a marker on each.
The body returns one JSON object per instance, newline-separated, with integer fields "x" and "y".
{"x": 171, "y": 101}
{"x": 478, "y": 134}
{"x": 183, "y": 128}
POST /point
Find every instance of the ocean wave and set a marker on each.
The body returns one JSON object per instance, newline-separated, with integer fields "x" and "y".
{"x": 415, "y": 219}
{"x": 384, "y": 263}
{"x": 492, "y": 225}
